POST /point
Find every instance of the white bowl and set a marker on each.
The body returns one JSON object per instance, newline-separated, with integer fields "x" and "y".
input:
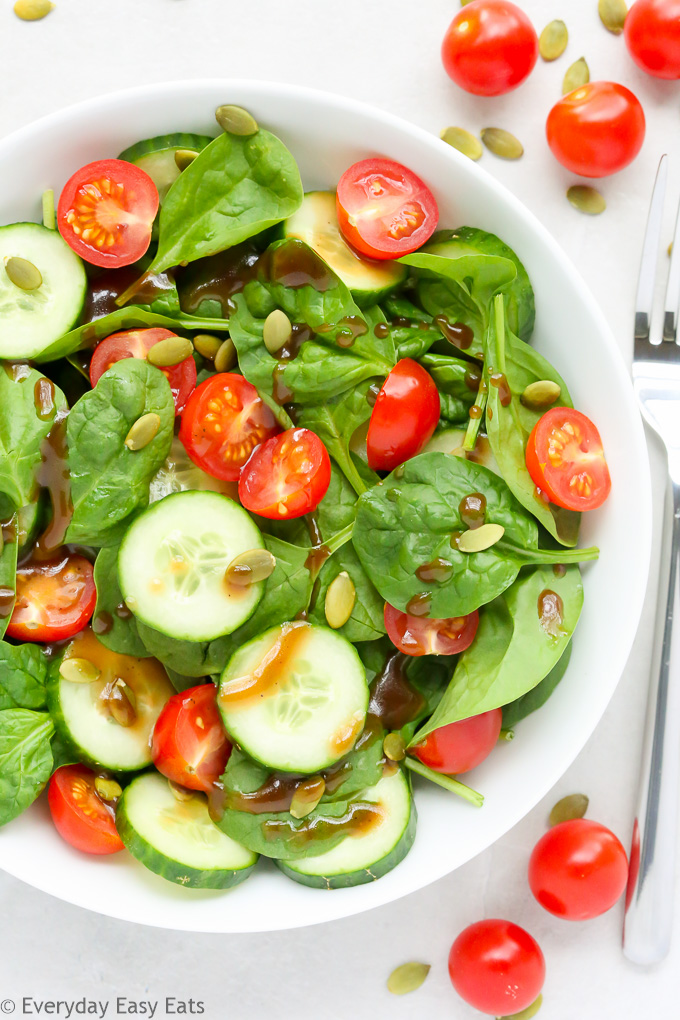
{"x": 326, "y": 134}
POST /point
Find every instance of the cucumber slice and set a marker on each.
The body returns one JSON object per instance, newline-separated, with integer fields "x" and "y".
{"x": 172, "y": 562}
{"x": 295, "y": 698}
{"x": 451, "y": 441}
{"x": 363, "y": 857}
{"x": 31, "y": 320}
{"x": 156, "y": 157}
{"x": 79, "y": 709}
{"x": 316, "y": 223}
{"x": 177, "y": 839}
{"x": 180, "y": 474}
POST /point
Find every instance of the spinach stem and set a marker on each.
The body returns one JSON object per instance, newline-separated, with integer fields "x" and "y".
{"x": 133, "y": 289}
{"x": 340, "y": 539}
{"x": 474, "y": 423}
{"x": 550, "y": 555}
{"x": 352, "y": 475}
{"x": 447, "y": 782}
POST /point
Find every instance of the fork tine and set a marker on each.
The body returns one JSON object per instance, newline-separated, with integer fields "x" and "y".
{"x": 644, "y": 298}
{"x": 670, "y": 315}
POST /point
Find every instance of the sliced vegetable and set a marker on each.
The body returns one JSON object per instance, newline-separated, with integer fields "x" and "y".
{"x": 189, "y": 744}
{"x": 565, "y": 459}
{"x": 55, "y": 598}
{"x": 157, "y": 157}
{"x": 461, "y": 746}
{"x": 287, "y": 476}
{"x": 423, "y": 635}
{"x": 80, "y": 815}
{"x": 136, "y": 343}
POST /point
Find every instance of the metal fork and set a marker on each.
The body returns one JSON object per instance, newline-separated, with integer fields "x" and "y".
{"x": 656, "y": 379}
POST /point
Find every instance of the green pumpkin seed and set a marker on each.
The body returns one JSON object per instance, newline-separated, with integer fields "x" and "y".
{"x": 276, "y": 331}
{"x": 502, "y": 143}
{"x": 79, "y": 671}
{"x": 528, "y": 1013}
{"x": 208, "y": 345}
{"x": 463, "y": 140}
{"x": 577, "y": 75}
{"x": 407, "y": 978}
{"x": 23, "y": 274}
{"x": 553, "y": 40}
{"x": 307, "y": 796}
{"x": 170, "y": 351}
{"x": 184, "y": 158}
{"x": 180, "y": 793}
{"x": 340, "y": 599}
{"x": 612, "y": 15}
{"x": 394, "y": 747}
{"x": 48, "y": 216}
{"x": 478, "y": 539}
{"x": 236, "y": 121}
{"x": 226, "y": 356}
{"x": 541, "y": 394}
{"x": 586, "y": 199}
{"x": 120, "y": 702}
{"x": 108, "y": 789}
{"x": 573, "y": 806}
{"x": 32, "y": 10}
{"x": 143, "y": 431}
{"x": 250, "y": 567}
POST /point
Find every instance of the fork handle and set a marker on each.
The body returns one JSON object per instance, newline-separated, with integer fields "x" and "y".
{"x": 649, "y": 916}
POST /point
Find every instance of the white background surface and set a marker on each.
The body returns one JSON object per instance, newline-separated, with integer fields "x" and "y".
{"x": 385, "y": 52}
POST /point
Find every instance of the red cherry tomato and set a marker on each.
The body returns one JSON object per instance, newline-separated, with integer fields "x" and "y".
{"x": 652, "y": 34}
{"x": 566, "y": 460}
{"x": 420, "y": 635}
{"x": 490, "y": 47}
{"x": 404, "y": 417}
{"x": 189, "y": 744}
{"x": 224, "y": 420}
{"x": 461, "y": 746}
{"x": 106, "y": 212}
{"x": 597, "y": 129}
{"x": 578, "y": 870}
{"x": 79, "y": 814}
{"x": 287, "y": 476}
{"x": 136, "y": 343}
{"x": 384, "y": 210}
{"x": 55, "y": 598}
{"x": 497, "y": 967}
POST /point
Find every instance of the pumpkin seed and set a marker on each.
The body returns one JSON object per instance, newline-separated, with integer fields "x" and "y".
{"x": 143, "y": 431}
{"x": 180, "y": 793}
{"x": 407, "y": 978}
{"x": 553, "y": 40}
{"x": 184, "y": 158}
{"x": 573, "y": 806}
{"x": 207, "y": 345}
{"x": 502, "y": 143}
{"x": 32, "y": 10}
{"x": 478, "y": 539}
{"x": 463, "y": 140}
{"x": 528, "y": 1013}
{"x": 79, "y": 671}
{"x": 340, "y": 599}
{"x": 576, "y": 75}
{"x": 120, "y": 702}
{"x": 612, "y": 15}
{"x": 235, "y": 120}
{"x": 226, "y": 356}
{"x": 170, "y": 351}
{"x": 108, "y": 789}
{"x": 250, "y": 567}
{"x": 670, "y": 249}
{"x": 586, "y": 199}
{"x": 394, "y": 747}
{"x": 540, "y": 394}
{"x": 307, "y": 795}
{"x": 276, "y": 331}
{"x": 48, "y": 216}
{"x": 23, "y": 274}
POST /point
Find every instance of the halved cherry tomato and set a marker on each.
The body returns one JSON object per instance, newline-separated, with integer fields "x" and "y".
{"x": 106, "y": 211}
{"x": 189, "y": 744}
{"x": 384, "y": 209}
{"x": 597, "y": 129}
{"x": 287, "y": 476}
{"x": 420, "y": 635}
{"x": 55, "y": 598}
{"x": 497, "y": 967}
{"x": 224, "y": 420}
{"x": 79, "y": 814}
{"x": 461, "y": 745}
{"x": 578, "y": 870}
{"x": 136, "y": 343}
{"x": 566, "y": 460}
{"x": 490, "y": 47}
{"x": 652, "y": 34}
{"x": 404, "y": 417}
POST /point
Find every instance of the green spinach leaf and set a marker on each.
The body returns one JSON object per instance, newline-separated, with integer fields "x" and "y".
{"x": 23, "y": 674}
{"x": 335, "y": 422}
{"x": 8, "y": 579}
{"x": 537, "y": 697}
{"x": 430, "y": 675}
{"x": 25, "y": 759}
{"x": 454, "y": 379}
{"x": 115, "y": 629}
{"x": 22, "y": 431}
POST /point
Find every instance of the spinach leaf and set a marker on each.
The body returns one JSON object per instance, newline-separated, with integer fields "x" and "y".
{"x": 108, "y": 481}
{"x": 22, "y": 431}
{"x": 373, "y": 655}
{"x": 115, "y": 631}
{"x": 179, "y": 681}
{"x": 23, "y": 674}
{"x": 453, "y": 379}
{"x": 537, "y": 697}
{"x": 430, "y": 676}
{"x": 335, "y": 422}
{"x": 235, "y": 188}
{"x": 413, "y": 342}
{"x": 25, "y": 759}
{"x": 8, "y": 579}
{"x": 515, "y": 647}
{"x": 400, "y": 307}
{"x": 63, "y": 753}
{"x": 509, "y": 427}
{"x": 409, "y": 520}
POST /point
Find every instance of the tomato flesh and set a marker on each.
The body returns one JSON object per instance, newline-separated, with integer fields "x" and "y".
{"x": 224, "y": 420}
{"x": 136, "y": 343}
{"x": 189, "y": 744}
{"x": 79, "y": 814}
{"x": 55, "y": 598}
{"x": 490, "y": 47}
{"x": 106, "y": 212}
{"x": 420, "y": 635}
{"x": 287, "y": 476}
{"x": 461, "y": 746}
{"x": 652, "y": 34}
{"x": 497, "y": 967}
{"x": 578, "y": 870}
{"x": 384, "y": 209}
{"x": 566, "y": 460}
{"x": 404, "y": 417}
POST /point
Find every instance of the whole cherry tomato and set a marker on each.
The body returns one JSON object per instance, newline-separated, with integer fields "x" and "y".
{"x": 490, "y": 47}
{"x": 497, "y": 967}
{"x": 652, "y": 34}
{"x": 404, "y": 416}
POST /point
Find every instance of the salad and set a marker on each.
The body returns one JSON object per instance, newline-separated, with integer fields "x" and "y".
{"x": 290, "y": 509}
